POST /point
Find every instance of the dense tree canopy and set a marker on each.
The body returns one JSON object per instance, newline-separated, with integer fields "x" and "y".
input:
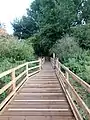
{"x": 49, "y": 20}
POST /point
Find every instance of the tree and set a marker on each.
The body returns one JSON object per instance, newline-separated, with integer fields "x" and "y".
{"x": 24, "y": 27}
{"x": 53, "y": 18}
{"x": 50, "y": 20}
{"x": 82, "y": 10}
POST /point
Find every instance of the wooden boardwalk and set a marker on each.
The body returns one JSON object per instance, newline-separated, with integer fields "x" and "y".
{"x": 40, "y": 98}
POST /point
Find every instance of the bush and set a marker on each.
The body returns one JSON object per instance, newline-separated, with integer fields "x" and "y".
{"x": 66, "y": 48}
{"x": 72, "y": 56}
{"x": 12, "y": 53}
{"x": 82, "y": 34}
{"x": 15, "y": 50}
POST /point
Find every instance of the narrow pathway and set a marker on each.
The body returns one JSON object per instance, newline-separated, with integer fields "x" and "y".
{"x": 40, "y": 98}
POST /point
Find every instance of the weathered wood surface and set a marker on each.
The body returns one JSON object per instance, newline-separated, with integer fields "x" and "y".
{"x": 69, "y": 90}
{"x": 40, "y": 98}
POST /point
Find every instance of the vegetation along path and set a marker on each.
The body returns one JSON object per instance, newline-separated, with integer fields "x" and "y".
{"x": 43, "y": 94}
{"x": 41, "y": 98}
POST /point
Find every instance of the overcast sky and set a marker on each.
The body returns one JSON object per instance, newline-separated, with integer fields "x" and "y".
{"x": 11, "y": 9}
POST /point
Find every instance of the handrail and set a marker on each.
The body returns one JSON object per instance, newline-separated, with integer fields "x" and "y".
{"x": 76, "y": 78}
{"x": 14, "y": 78}
{"x": 69, "y": 90}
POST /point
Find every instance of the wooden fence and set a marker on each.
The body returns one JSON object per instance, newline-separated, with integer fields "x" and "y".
{"x": 71, "y": 94}
{"x": 13, "y": 85}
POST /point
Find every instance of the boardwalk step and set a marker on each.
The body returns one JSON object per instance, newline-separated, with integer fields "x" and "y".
{"x": 40, "y": 98}
{"x": 37, "y": 118}
{"x": 20, "y": 109}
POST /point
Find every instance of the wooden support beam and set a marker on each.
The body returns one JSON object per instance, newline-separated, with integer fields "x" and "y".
{"x": 13, "y": 79}
{"x": 27, "y": 70}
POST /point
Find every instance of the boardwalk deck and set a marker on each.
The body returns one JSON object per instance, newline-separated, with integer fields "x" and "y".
{"x": 40, "y": 98}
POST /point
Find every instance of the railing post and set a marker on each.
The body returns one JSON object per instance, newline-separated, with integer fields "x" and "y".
{"x": 53, "y": 55}
{"x": 43, "y": 60}
{"x": 54, "y": 61}
{"x": 59, "y": 66}
{"x": 40, "y": 64}
{"x": 67, "y": 79}
{"x": 68, "y": 88}
{"x": 27, "y": 69}
{"x": 13, "y": 79}
{"x": 67, "y": 76}
{"x": 57, "y": 63}
{"x": 56, "y": 66}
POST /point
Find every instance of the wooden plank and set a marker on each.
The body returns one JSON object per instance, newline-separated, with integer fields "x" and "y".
{"x": 41, "y": 86}
{"x": 40, "y": 90}
{"x": 76, "y": 78}
{"x": 20, "y": 66}
{"x": 27, "y": 70}
{"x": 34, "y": 67}
{"x": 72, "y": 105}
{"x": 6, "y": 99}
{"x": 38, "y": 106}
{"x": 42, "y": 82}
{"x": 6, "y": 73}
{"x": 38, "y": 113}
{"x": 31, "y": 89}
{"x": 21, "y": 113}
{"x": 10, "y": 95}
{"x": 32, "y": 94}
{"x": 79, "y": 101}
{"x": 33, "y": 73}
{"x": 50, "y": 118}
{"x": 13, "y": 79}
{"x": 74, "y": 108}
{"x": 35, "y": 105}
{"x": 39, "y": 100}
{"x": 36, "y": 61}
{"x": 40, "y": 97}
{"x": 37, "y": 118}
{"x": 20, "y": 75}
{"x": 43, "y": 110}
{"x": 63, "y": 103}
{"x": 5, "y": 87}
{"x": 45, "y": 77}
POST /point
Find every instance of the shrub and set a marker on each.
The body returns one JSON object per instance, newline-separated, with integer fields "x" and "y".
{"x": 12, "y": 53}
{"x": 74, "y": 57}
{"x": 15, "y": 50}
{"x": 66, "y": 48}
{"x": 82, "y": 34}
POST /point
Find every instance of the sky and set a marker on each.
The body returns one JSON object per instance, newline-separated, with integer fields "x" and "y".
{"x": 11, "y": 9}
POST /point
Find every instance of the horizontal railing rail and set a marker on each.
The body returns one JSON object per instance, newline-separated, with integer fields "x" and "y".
{"x": 71, "y": 94}
{"x": 14, "y": 79}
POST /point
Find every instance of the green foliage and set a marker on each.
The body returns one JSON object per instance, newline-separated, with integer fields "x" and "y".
{"x": 12, "y": 53}
{"x": 82, "y": 10}
{"x": 15, "y": 50}
{"x": 69, "y": 53}
{"x": 52, "y": 18}
{"x": 82, "y": 34}
{"x": 25, "y": 27}
{"x": 66, "y": 48}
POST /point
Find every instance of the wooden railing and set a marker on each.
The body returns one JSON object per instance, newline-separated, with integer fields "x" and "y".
{"x": 15, "y": 81}
{"x": 71, "y": 94}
